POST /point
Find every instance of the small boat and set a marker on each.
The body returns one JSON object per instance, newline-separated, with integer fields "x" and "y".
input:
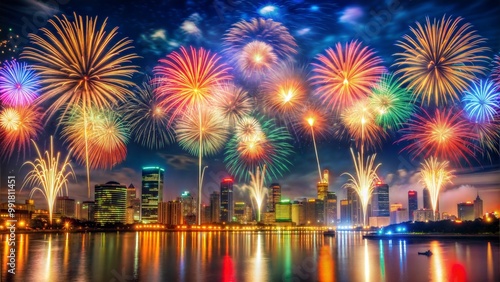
{"x": 329, "y": 232}
{"x": 428, "y": 253}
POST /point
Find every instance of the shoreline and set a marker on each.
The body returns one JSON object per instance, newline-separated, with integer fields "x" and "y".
{"x": 432, "y": 236}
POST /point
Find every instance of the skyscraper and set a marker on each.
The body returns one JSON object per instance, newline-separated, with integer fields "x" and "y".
{"x": 274, "y": 197}
{"x": 466, "y": 211}
{"x": 110, "y": 203}
{"x": 239, "y": 212}
{"x": 189, "y": 207}
{"x": 345, "y": 213}
{"x": 283, "y": 211}
{"x": 412, "y": 203}
{"x": 380, "y": 200}
{"x": 226, "y": 200}
{"x": 323, "y": 186}
{"x": 65, "y": 206}
{"x": 478, "y": 207}
{"x": 214, "y": 207}
{"x": 331, "y": 208}
{"x": 152, "y": 193}
{"x": 354, "y": 203}
{"x": 132, "y": 204}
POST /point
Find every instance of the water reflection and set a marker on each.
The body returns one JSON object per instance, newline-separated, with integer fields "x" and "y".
{"x": 250, "y": 256}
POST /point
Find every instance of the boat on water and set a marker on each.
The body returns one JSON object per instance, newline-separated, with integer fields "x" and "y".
{"x": 329, "y": 232}
{"x": 427, "y": 253}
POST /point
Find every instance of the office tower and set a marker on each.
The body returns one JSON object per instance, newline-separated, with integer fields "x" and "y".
{"x": 412, "y": 203}
{"x": 65, "y": 206}
{"x": 465, "y": 211}
{"x": 320, "y": 212}
{"x": 298, "y": 213}
{"x": 249, "y": 214}
{"x": 239, "y": 212}
{"x": 78, "y": 210}
{"x": 380, "y": 200}
{"x": 174, "y": 214}
{"x": 214, "y": 207}
{"x": 131, "y": 202}
{"x": 331, "y": 209}
{"x": 427, "y": 200}
{"x": 226, "y": 200}
{"x": 205, "y": 215}
{"x": 356, "y": 217}
{"x": 323, "y": 186}
{"x": 478, "y": 207}
{"x": 310, "y": 212}
{"x": 189, "y": 206}
{"x": 283, "y": 211}
{"x": 152, "y": 193}
{"x": 162, "y": 212}
{"x": 274, "y": 196}
{"x": 110, "y": 203}
{"x": 423, "y": 215}
{"x": 88, "y": 211}
{"x": 345, "y": 213}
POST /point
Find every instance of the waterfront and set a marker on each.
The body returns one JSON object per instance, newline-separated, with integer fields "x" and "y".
{"x": 246, "y": 256}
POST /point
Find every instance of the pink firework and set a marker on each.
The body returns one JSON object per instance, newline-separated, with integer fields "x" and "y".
{"x": 18, "y": 84}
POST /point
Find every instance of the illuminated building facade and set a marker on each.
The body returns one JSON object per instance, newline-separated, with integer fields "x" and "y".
{"x": 356, "y": 217}
{"x": 88, "y": 211}
{"x": 274, "y": 196}
{"x": 412, "y": 203}
{"x": 110, "y": 203}
{"x": 380, "y": 200}
{"x": 65, "y": 206}
{"x": 226, "y": 200}
{"x": 298, "y": 214}
{"x": 284, "y": 211}
{"x": 323, "y": 186}
{"x": 215, "y": 207}
{"x": 465, "y": 211}
{"x": 331, "y": 209}
{"x": 345, "y": 213}
{"x": 152, "y": 193}
{"x": 478, "y": 207}
{"x": 239, "y": 212}
{"x": 189, "y": 207}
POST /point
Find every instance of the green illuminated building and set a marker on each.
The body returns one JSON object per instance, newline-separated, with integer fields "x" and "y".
{"x": 110, "y": 203}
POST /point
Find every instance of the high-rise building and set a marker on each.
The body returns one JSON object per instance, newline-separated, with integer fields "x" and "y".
{"x": 466, "y": 211}
{"x": 205, "y": 215}
{"x": 427, "y": 200}
{"x": 88, "y": 211}
{"x": 274, "y": 196}
{"x": 248, "y": 214}
{"x": 78, "y": 210}
{"x": 152, "y": 193}
{"x": 162, "y": 212}
{"x": 283, "y": 211}
{"x": 110, "y": 203}
{"x": 131, "y": 204}
{"x": 345, "y": 213}
{"x": 189, "y": 206}
{"x": 215, "y": 207}
{"x": 478, "y": 207}
{"x": 323, "y": 185}
{"x": 412, "y": 203}
{"x": 320, "y": 212}
{"x": 380, "y": 200}
{"x": 239, "y": 212}
{"x": 310, "y": 212}
{"x": 226, "y": 200}
{"x": 65, "y": 206}
{"x": 298, "y": 215}
{"x": 174, "y": 214}
{"x": 356, "y": 217}
{"x": 331, "y": 209}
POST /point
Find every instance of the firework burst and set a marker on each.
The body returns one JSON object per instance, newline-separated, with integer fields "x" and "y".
{"x": 285, "y": 91}
{"x": 149, "y": 122}
{"x": 18, "y": 84}
{"x": 359, "y": 120}
{"x": 495, "y": 73}
{"x": 248, "y": 128}
{"x": 346, "y": 74}
{"x": 207, "y": 132}
{"x": 49, "y": 175}
{"x": 445, "y": 135}
{"x": 434, "y": 175}
{"x": 364, "y": 180}
{"x": 18, "y": 125}
{"x": 257, "y": 188}
{"x": 441, "y": 59}
{"x": 232, "y": 102}
{"x": 481, "y": 102}
{"x": 391, "y": 102}
{"x": 270, "y": 147}
{"x": 78, "y": 64}
{"x": 188, "y": 79}
{"x": 256, "y": 58}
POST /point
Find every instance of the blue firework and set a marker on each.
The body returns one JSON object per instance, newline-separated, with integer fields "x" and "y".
{"x": 18, "y": 84}
{"x": 481, "y": 101}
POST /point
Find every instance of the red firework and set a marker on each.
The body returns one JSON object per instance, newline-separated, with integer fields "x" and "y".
{"x": 188, "y": 77}
{"x": 445, "y": 135}
{"x": 346, "y": 74}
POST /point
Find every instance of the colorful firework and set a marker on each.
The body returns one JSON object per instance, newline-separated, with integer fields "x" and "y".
{"x": 202, "y": 135}
{"x": 441, "y": 60}
{"x": 495, "y": 73}
{"x": 78, "y": 64}
{"x": 359, "y": 120}
{"x": 481, "y": 101}
{"x": 391, "y": 102}
{"x": 285, "y": 91}
{"x": 258, "y": 190}
{"x": 98, "y": 137}
{"x": 248, "y": 128}
{"x": 346, "y": 74}
{"x": 149, "y": 122}
{"x": 257, "y": 45}
{"x": 434, "y": 175}
{"x": 18, "y": 84}
{"x": 49, "y": 175}
{"x": 271, "y": 148}
{"x": 232, "y": 102}
{"x": 18, "y": 125}
{"x": 364, "y": 180}
{"x": 444, "y": 135}
{"x": 188, "y": 78}
{"x": 488, "y": 135}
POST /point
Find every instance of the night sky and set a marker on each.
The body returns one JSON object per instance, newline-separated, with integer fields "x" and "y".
{"x": 156, "y": 29}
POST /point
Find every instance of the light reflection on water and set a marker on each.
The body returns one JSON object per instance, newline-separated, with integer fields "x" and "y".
{"x": 245, "y": 256}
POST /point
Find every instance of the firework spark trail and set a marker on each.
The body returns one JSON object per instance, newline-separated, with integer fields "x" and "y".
{"x": 18, "y": 84}
{"x": 364, "y": 180}
{"x": 429, "y": 60}
{"x": 257, "y": 187}
{"x": 48, "y": 175}
{"x": 345, "y": 74}
{"x": 434, "y": 175}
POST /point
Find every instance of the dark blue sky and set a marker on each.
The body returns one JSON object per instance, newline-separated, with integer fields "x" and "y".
{"x": 155, "y": 28}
